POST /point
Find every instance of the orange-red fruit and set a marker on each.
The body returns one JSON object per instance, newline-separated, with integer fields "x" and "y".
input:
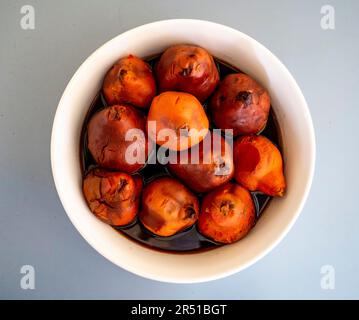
{"x": 175, "y": 114}
{"x": 112, "y": 196}
{"x": 168, "y": 207}
{"x": 131, "y": 81}
{"x": 107, "y": 143}
{"x": 227, "y": 214}
{"x": 189, "y": 69}
{"x": 241, "y": 104}
{"x": 209, "y": 165}
{"x": 259, "y": 165}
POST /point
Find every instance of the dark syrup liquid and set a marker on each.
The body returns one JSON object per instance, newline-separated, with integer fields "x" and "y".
{"x": 189, "y": 240}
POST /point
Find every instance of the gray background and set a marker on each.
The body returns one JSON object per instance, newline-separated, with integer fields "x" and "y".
{"x": 35, "y": 68}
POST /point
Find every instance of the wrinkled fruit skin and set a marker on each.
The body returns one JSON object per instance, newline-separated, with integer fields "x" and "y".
{"x": 168, "y": 207}
{"x": 241, "y": 104}
{"x": 106, "y": 137}
{"x": 227, "y": 214}
{"x": 179, "y": 112}
{"x": 187, "y": 68}
{"x": 113, "y": 197}
{"x": 259, "y": 165}
{"x": 214, "y": 168}
{"x": 130, "y": 81}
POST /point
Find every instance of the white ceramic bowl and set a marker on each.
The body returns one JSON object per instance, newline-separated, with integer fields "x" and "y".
{"x": 295, "y": 124}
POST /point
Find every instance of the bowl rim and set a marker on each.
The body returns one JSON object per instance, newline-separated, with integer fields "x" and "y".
{"x": 219, "y": 274}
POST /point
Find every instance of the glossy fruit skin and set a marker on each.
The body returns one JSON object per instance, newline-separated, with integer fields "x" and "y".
{"x": 179, "y": 112}
{"x": 227, "y": 214}
{"x": 187, "y": 68}
{"x": 241, "y": 104}
{"x": 214, "y": 168}
{"x": 113, "y": 197}
{"x": 106, "y": 133}
{"x": 168, "y": 207}
{"x": 130, "y": 81}
{"x": 259, "y": 165}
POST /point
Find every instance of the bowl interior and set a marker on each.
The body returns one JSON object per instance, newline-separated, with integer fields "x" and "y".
{"x": 297, "y": 141}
